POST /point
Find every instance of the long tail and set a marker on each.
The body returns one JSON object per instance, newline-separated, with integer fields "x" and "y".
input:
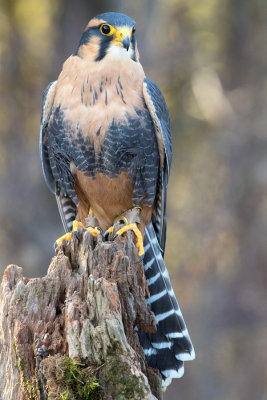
{"x": 67, "y": 211}
{"x": 170, "y": 346}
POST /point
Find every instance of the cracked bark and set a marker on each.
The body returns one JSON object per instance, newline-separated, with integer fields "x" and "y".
{"x": 87, "y": 307}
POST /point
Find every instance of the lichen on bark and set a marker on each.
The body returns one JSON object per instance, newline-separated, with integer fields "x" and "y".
{"x": 80, "y": 317}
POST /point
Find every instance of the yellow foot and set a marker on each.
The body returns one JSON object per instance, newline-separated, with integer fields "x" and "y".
{"x": 109, "y": 230}
{"x": 94, "y": 231}
{"x": 59, "y": 241}
{"x": 139, "y": 238}
{"x": 75, "y": 227}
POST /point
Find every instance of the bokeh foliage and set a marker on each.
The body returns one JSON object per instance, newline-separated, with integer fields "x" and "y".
{"x": 209, "y": 58}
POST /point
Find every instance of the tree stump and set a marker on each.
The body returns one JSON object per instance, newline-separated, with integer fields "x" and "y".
{"x": 73, "y": 333}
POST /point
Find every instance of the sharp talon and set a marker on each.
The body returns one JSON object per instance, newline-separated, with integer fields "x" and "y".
{"x": 75, "y": 227}
{"x": 140, "y": 259}
{"x": 115, "y": 236}
{"x": 139, "y": 238}
{"x": 106, "y": 235}
{"x": 108, "y": 231}
{"x": 101, "y": 231}
{"x": 59, "y": 241}
{"x": 67, "y": 236}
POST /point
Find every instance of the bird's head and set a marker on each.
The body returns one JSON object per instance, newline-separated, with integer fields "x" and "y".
{"x": 109, "y": 36}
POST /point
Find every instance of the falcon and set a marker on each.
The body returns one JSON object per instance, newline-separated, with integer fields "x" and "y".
{"x": 105, "y": 146}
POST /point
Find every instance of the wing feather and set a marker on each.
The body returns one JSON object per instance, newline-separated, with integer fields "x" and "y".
{"x": 47, "y": 104}
{"x": 157, "y": 107}
{"x": 67, "y": 208}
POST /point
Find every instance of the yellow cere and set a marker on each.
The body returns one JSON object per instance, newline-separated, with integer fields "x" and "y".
{"x": 121, "y": 34}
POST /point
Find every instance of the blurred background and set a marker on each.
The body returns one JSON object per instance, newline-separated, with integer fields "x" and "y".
{"x": 209, "y": 58}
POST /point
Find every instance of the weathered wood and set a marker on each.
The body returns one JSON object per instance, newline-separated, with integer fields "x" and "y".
{"x": 72, "y": 334}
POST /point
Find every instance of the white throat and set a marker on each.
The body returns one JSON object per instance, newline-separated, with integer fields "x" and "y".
{"x": 118, "y": 53}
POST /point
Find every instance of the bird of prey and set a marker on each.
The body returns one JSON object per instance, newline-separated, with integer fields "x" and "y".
{"x": 105, "y": 145}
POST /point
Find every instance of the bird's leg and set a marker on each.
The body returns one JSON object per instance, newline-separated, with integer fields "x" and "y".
{"x": 59, "y": 241}
{"x": 75, "y": 226}
{"x": 121, "y": 220}
{"x": 129, "y": 219}
{"x": 139, "y": 238}
{"x": 91, "y": 224}
{"x": 67, "y": 236}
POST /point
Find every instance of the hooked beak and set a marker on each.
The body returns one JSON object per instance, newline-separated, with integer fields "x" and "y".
{"x": 126, "y": 43}
{"x": 122, "y": 38}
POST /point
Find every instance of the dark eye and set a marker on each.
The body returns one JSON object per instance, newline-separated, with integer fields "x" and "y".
{"x": 105, "y": 29}
{"x": 134, "y": 30}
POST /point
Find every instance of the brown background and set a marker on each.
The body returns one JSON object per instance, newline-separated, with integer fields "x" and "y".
{"x": 209, "y": 58}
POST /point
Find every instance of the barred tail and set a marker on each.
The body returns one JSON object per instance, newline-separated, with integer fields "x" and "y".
{"x": 67, "y": 210}
{"x": 170, "y": 346}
